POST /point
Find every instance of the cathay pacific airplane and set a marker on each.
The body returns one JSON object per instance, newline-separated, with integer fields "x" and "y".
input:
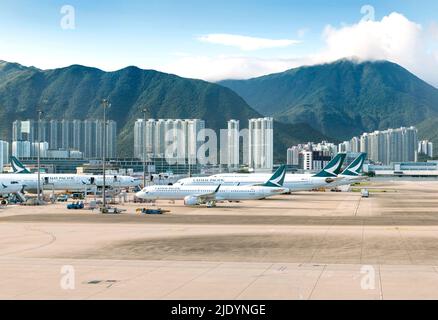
{"x": 65, "y": 182}
{"x": 294, "y": 182}
{"x": 210, "y": 195}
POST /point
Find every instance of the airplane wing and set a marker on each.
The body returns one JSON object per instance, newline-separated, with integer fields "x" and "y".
{"x": 208, "y": 196}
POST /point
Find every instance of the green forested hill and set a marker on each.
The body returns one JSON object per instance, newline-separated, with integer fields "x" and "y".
{"x": 75, "y": 92}
{"x": 343, "y": 99}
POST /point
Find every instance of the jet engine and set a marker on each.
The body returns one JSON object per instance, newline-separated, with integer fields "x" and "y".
{"x": 191, "y": 201}
{"x": 330, "y": 180}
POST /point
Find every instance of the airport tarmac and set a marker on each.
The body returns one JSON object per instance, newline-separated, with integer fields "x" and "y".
{"x": 309, "y": 245}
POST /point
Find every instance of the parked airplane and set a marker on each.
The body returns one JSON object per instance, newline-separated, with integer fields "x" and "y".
{"x": 210, "y": 195}
{"x": 294, "y": 182}
{"x": 69, "y": 182}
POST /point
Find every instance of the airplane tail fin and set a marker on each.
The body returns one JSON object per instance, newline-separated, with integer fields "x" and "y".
{"x": 355, "y": 168}
{"x": 277, "y": 180}
{"x": 333, "y": 169}
{"x": 17, "y": 166}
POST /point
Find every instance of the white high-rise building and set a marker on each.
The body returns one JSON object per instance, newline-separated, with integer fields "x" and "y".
{"x": 77, "y": 133}
{"x": 355, "y": 145}
{"x": 306, "y": 160}
{"x": 392, "y": 145}
{"x": 230, "y": 145}
{"x": 4, "y": 154}
{"x": 344, "y": 147}
{"x": 350, "y": 146}
{"x": 21, "y": 149}
{"x": 111, "y": 139}
{"x": 43, "y": 146}
{"x": 426, "y": 147}
{"x": 261, "y": 143}
{"x": 69, "y": 135}
{"x": 55, "y": 134}
{"x": 195, "y": 138}
{"x": 24, "y": 130}
{"x": 293, "y": 156}
{"x": 175, "y": 139}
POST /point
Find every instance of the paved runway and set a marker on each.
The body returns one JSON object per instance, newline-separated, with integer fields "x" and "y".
{"x": 304, "y": 246}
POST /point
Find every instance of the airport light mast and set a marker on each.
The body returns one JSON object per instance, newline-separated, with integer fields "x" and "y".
{"x": 40, "y": 113}
{"x": 144, "y": 147}
{"x": 105, "y": 104}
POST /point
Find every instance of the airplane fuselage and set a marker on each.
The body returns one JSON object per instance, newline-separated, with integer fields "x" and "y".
{"x": 294, "y": 182}
{"x": 70, "y": 182}
{"x": 226, "y": 193}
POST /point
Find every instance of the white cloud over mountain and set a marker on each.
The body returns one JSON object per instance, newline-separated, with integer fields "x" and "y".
{"x": 246, "y": 43}
{"x": 394, "y": 38}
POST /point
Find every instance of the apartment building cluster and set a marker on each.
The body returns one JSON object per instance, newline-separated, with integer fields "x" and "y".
{"x": 386, "y": 147}
{"x": 64, "y": 139}
{"x": 311, "y": 156}
{"x": 181, "y": 140}
{"x": 425, "y": 147}
{"x": 174, "y": 139}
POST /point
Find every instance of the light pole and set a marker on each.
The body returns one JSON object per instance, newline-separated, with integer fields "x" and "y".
{"x": 105, "y": 105}
{"x": 144, "y": 147}
{"x": 40, "y": 113}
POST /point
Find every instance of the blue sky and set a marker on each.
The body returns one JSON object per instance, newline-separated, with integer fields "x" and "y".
{"x": 211, "y": 39}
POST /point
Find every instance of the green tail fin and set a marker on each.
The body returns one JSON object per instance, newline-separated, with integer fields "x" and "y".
{"x": 333, "y": 169}
{"x": 355, "y": 168}
{"x": 277, "y": 180}
{"x": 18, "y": 167}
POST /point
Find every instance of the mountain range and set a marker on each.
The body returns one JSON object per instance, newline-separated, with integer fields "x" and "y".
{"x": 345, "y": 98}
{"x": 333, "y": 101}
{"x": 75, "y": 92}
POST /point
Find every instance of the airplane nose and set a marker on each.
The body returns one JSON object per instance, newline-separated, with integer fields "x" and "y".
{"x": 139, "y": 194}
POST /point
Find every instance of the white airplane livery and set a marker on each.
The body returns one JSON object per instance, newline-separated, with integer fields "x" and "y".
{"x": 210, "y": 195}
{"x": 294, "y": 182}
{"x": 64, "y": 182}
{"x": 10, "y": 187}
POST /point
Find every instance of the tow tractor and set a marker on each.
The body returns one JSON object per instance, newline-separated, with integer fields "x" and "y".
{"x": 75, "y": 206}
{"x": 152, "y": 211}
{"x": 111, "y": 210}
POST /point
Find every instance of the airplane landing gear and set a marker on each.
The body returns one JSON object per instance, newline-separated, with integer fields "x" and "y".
{"x": 211, "y": 204}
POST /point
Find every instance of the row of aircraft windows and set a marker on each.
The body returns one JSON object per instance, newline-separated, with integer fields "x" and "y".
{"x": 207, "y": 191}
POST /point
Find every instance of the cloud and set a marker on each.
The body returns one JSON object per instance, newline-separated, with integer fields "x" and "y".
{"x": 394, "y": 38}
{"x": 222, "y": 67}
{"x": 246, "y": 43}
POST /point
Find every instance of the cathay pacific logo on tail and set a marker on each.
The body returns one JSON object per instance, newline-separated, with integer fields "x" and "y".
{"x": 355, "y": 168}
{"x": 277, "y": 179}
{"x": 333, "y": 168}
{"x": 17, "y": 166}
